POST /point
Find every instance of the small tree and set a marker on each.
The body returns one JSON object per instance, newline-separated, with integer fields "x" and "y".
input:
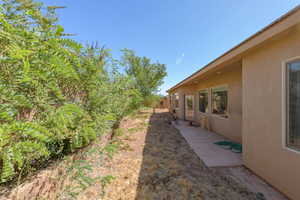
{"x": 152, "y": 101}
{"x": 147, "y": 76}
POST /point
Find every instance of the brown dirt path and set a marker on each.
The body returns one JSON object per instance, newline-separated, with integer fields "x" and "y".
{"x": 159, "y": 164}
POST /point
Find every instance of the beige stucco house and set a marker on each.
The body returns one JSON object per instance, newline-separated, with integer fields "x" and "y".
{"x": 164, "y": 103}
{"x": 251, "y": 95}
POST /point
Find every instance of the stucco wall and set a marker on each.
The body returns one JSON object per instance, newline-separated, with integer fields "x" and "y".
{"x": 263, "y": 133}
{"x": 232, "y": 77}
{"x": 230, "y": 127}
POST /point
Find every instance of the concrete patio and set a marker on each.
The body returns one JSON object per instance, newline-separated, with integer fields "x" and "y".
{"x": 226, "y": 162}
{"x": 202, "y": 142}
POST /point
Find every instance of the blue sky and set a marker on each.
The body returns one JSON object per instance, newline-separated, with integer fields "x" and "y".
{"x": 183, "y": 34}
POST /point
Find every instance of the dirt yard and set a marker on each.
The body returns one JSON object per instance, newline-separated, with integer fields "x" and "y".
{"x": 148, "y": 160}
{"x": 160, "y": 165}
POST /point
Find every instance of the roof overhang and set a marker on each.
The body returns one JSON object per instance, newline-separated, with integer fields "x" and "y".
{"x": 283, "y": 23}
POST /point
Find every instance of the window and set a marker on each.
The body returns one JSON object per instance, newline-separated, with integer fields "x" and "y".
{"x": 293, "y": 105}
{"x": 220, "y": 101}
{"x": 203, "y": 101}
{"x": 176, "y": 100}
{"x": 189, "y": 102}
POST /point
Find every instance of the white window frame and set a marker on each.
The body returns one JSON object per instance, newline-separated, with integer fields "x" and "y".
{"x": 284, "y": 106}
{"x": 211, "y": 102}
{"x": 208, "y": 100}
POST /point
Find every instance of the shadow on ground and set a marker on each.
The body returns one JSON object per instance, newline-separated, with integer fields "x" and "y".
{"x": 171, "y": 170}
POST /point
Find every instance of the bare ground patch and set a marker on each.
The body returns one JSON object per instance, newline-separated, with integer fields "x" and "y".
{"x": 161, "y": 165}
{"x": 148, "y": 159}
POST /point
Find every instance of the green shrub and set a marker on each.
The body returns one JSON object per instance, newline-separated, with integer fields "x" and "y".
{"x": 56, "y": 95}
{"x": 21, "y": 143}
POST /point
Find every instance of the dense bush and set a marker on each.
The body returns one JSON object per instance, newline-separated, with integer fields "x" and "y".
{"x": 55, "y": 95}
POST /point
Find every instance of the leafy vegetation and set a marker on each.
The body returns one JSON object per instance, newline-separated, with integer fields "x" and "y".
{"x": 56, "y": 95}
{"x": 80, "y": 170}
{"x": 147, "y": 76}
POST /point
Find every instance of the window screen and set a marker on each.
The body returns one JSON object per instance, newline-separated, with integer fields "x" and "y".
{"x": 220, "y": 101}
{"x": 189, "y": 102}
{"x": 176, "y": 100}
{"x": 293, "y": 105}
{"x": 203, "y": 101}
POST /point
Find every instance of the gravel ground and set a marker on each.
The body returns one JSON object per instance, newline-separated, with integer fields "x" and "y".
{"x": 160, "y": 165}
